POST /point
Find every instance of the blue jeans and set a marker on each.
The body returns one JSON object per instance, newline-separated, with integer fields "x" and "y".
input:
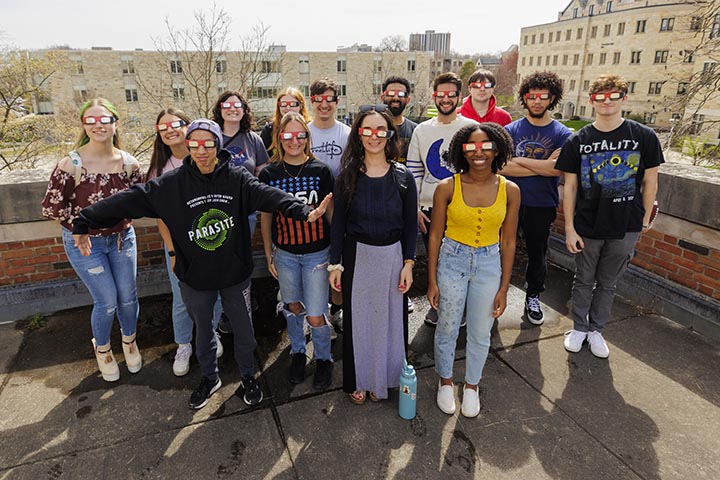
{"x": 182, "y": 323}
{"x": 304, "y": 279}
{"x": 109, "y": 274}
{"x": 465, "y": 275}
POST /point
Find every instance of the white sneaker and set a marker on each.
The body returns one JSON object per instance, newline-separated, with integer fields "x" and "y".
{"x": 598, "y": 347}
{"x": 220, "y": 350}
{"x": 181, "y": 365}
{"x": 446, "y": 398}
{"x": 411, "y": 305}
{"x": 106, "y": 362}
{"x": 574, "y": 340}
{"x": 471, "y": 403}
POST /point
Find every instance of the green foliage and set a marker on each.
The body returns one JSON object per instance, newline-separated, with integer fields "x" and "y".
{"x": 574, "y": 124}
{"x": 35, "y": 322}
{"x": 703, "y": 154}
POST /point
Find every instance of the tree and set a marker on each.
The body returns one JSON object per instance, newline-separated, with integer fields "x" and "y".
{"x": 467, "y": 69}
{"x": 24, "y": 135}
{"x": 392, "y": 43}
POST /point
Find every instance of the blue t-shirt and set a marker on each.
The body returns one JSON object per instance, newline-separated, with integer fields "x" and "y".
{"x": 537, "y": 143}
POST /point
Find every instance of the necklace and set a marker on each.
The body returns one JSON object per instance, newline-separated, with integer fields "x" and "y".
{"x": 299, "y": 171}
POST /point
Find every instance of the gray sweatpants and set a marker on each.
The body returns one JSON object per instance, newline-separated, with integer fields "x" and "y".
{"x": 597, "y": 269}
{"x": 236, "y": 305}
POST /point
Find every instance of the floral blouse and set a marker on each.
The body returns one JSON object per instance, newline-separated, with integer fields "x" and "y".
{"x": 64, "y": 200}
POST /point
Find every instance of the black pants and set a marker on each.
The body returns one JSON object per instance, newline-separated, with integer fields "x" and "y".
{"x": 236, "y": 305}
{"x": 535, "y": 223}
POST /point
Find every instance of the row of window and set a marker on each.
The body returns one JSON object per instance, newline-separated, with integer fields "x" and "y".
{"x": 661, "y": 57}
{"x": 591, "y": 9}
{"x": 666, "y": 25}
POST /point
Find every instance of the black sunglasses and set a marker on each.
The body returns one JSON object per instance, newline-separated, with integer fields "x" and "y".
{"x": 378, "y": 107}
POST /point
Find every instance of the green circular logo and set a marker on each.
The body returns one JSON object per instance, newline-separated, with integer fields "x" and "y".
{"x": 212, "y": 229}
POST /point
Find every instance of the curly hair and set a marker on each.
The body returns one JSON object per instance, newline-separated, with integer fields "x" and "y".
{"x": 161, "y": 152}
{"x": 542, "y": 81}
{"x": 353, "y": 158}
{"x": 280, "y": 151}
{"x": 495, "y": 133}
{"x": 606, "y": 83}
{"x": 246, "y": 120}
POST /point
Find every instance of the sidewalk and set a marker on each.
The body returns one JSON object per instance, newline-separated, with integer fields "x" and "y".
{"x": 650, "y": 411}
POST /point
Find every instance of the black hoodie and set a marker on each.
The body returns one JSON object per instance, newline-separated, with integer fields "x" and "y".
{"x": 206, "y": 216}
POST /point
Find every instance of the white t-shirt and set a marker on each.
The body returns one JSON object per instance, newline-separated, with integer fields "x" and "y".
{"x": 328, "y": 144}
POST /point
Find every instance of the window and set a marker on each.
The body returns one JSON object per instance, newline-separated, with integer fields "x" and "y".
{"x": 131, "y": 94}
{"x": 697, "y": 124}
{"x": 640, "y": 26}
{"x": 565, "y": 59}
{"x": 621, "y": 28}
{"x": 579, "y": 34}
{"x": 635, "y": 57}
{"x": 179, "y": 93}
{"x": 269, "y": 66}
{"x": 523, "y": 61}
{"x": 661, "y": 56}
{"x": 412, "y": 86}
{"x": 655, "y": 88}
{"x": 531, "y": 61}
{"x": 616, "y": 58}
{"x": 550, "y": 37}
{"x": 377, "y": 88}
{"x": 575, "y": 12}
{"x": 305, "y": 89}
{"x": 568, "y": 34}
{"x": 593, "y": 32}
{"x": 576, "y": 59}
{"x": 411, "y": 65}
{"x": 555, "y": 59}
{"x": 532, "y": 39}
{"x": 77, "y": 66}
{"x": 377, "y": 65}
{"x": 631, "y": 87}
{"x": 675, "y": 117}
{"x": 221, "y": 66}
{"x": 525, "y": 40}
{"x": 80, "y": 94}
{"x": 687, "y": 56}
{"x": 342, "y": 89}
{"x": 222, "y": 86}
{"x": 572, "y": 85}
{"x": 264, "y": 92}
{"x": 557, "y": 36}
{"x": 650, "y": 118}
{"x": 666, "y": 24}
{"x": 715, "y": 28}
{"x": 542, "y": 38}
{"x": 128, "y": 66}
{"x": 582, "y": 111}
{"x": 539, "y": 60}
{"x": 175, "y": 67}
{"x": 547, "y": 60}
{"x": 342, "y": 65}
{"x": 591, "y": 12}
{"x": 586, "y": 85}
{"x": 303, "y": 65}
{"x": 608, "y": 7}
{"x": 603, "y": 58}
{"x": 709, "y": 66}
{"x": 606, "y": 31}
{"x": 682, "y": 88}
{"x": 695, "y": 23}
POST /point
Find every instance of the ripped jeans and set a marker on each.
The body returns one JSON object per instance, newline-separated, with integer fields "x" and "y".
{"x": 110, "y": 276}
{"x": 304, "y": 278}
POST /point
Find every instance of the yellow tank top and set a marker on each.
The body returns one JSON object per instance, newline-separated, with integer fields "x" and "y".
{"x": 475, "y": 227}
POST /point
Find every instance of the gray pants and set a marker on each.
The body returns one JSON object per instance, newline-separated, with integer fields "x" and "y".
{"x": 236, "y": 305}
{"x": 598, "y": 268}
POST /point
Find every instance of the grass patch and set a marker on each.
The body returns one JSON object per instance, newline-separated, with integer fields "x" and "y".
{"x": 575, "y": 124}
{"x": 35, "y": 322}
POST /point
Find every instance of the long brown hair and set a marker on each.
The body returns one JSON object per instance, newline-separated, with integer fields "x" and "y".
{"x": 161, "y": 153}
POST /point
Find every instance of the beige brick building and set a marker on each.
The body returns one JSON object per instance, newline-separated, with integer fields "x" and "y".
{"x": 656, "y": 45}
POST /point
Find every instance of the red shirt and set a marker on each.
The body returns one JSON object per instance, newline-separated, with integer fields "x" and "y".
{"x": 493, "y": 114}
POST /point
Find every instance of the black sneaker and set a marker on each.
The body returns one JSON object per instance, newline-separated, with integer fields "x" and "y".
{"x": 202, "y": 394}
{"x": 253, "y": 393}
{"x": 532, "y": 309}
{"x": 297, "y": 367}
{"x": 431, "y": 317}
{"x": 323, "y": 375}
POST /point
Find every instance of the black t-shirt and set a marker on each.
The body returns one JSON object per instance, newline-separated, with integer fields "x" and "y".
{"x": 309, "y": 182}
{"x": 405, "y": 131}
{"x": 610, "y": 167}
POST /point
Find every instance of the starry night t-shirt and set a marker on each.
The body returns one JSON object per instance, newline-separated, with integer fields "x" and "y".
{"x": 610, "y": 168}
{"x": 309, "y": 182}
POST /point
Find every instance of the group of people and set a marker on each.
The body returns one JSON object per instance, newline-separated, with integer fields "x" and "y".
{"x": 340, "y": 211}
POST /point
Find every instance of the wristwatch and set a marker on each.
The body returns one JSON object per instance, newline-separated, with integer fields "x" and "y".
{"x": 171, "y": 253}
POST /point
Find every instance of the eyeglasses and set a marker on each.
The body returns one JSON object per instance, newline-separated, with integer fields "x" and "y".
{"x": 537, "y": 96}
{"x": 484, "y": 146}
{"x": 445, "y": 94}
{"x": 601, "y": 97}
{"x": 103, "y": 120}
{"x": 161, "y": 127}
{"x": 482, "y": 85}
{"x": 369, "y": 132}
{"x": 321, "y": 98}
{"x": 195, "y": 144}
{"x": 226, "y": 105}
{"x": 393, "y": 93}
{"x": 378, "y": 107}
{"x": 291, "y": 135}
{"x": 289, "y": 104}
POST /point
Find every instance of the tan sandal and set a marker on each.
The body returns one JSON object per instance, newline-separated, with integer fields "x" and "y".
{"x": 373, "y": 397}
{"x": 357, "y": 397}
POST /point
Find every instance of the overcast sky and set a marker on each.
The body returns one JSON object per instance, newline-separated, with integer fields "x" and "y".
{"x": 302, "y": 26}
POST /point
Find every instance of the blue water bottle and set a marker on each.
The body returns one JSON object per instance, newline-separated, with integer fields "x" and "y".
{"x": 408, "y": 392}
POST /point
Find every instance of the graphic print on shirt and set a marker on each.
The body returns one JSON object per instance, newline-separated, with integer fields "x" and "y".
{"x": 608, "y": 170}
{"x": 213, "y": 227}
{"x": 437, "y": 163}
{"x": 327, "y": 150}
{"x": 299, "y": 232}
{"x": 238, "y": 155}
{"x": 538, "y": 147}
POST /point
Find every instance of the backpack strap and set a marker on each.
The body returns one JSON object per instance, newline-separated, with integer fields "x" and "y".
{"x": 400, "y": 175}
{"x": 77, "y": 164}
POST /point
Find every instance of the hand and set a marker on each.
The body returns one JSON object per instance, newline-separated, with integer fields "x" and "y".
{"x": 422, "y": 221}
{"x": 334, "y": 279}
{"x": 320, "y": 210}
{"x": 499, "y": 303}
{"x": 82, "y": 242}
{"x": 433, "y": 295}
{"x": 555, "y": 154}
{"x": 406, "y": 278}
{"x": 271, "y": 266}
{"x": 573, "y": 242}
